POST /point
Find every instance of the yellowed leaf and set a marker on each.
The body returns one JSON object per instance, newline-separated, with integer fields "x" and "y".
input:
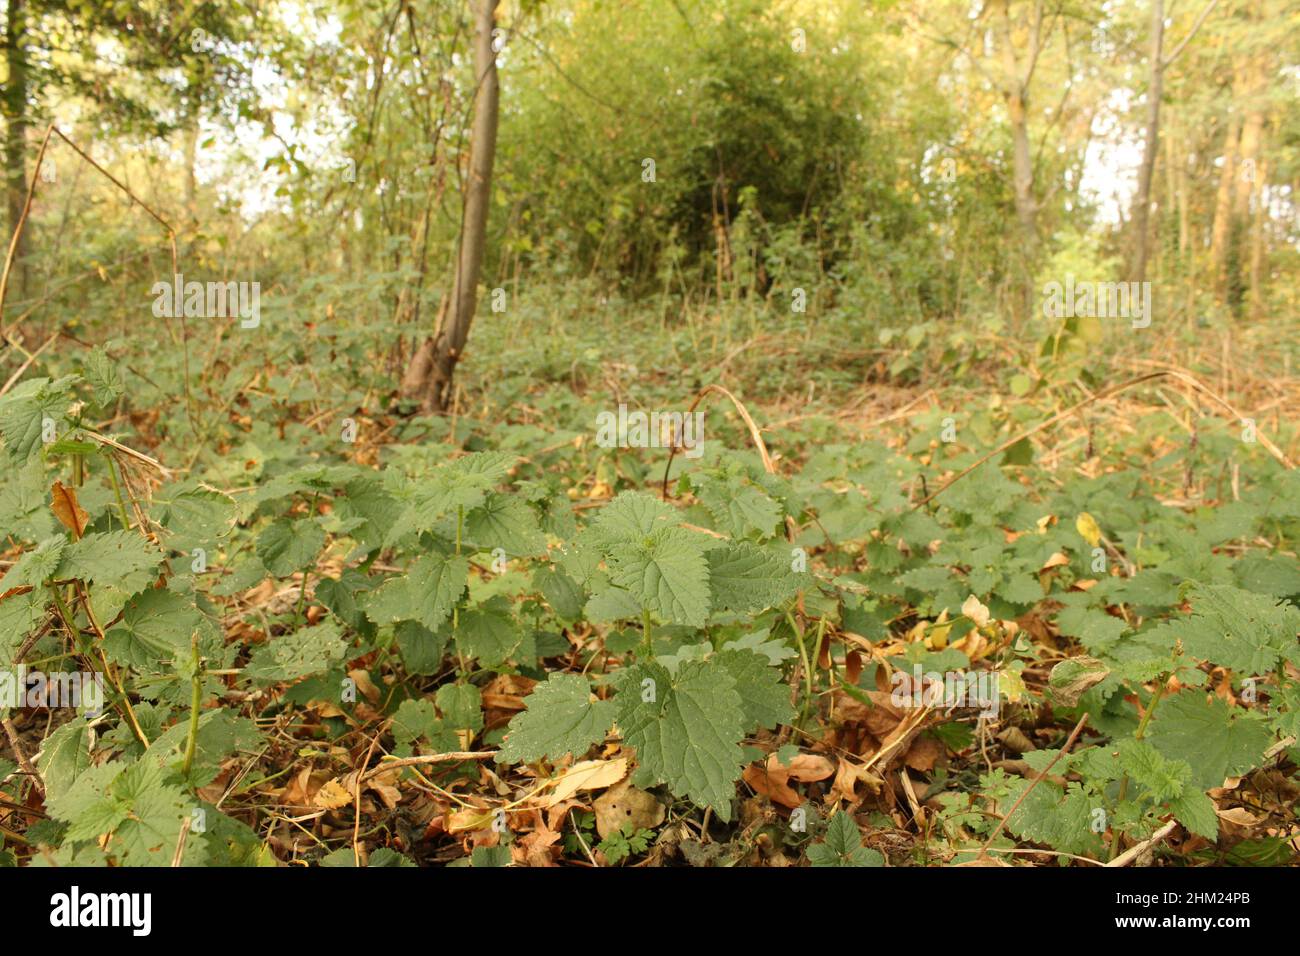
{"x": 974, "y": 609}
{"x": 1087, "y": 526}
{"x": 587, "y": 775}
{"x": 332, "y": 795}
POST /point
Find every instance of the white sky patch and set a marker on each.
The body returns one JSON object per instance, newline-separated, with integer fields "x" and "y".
{"x": 1110, "y": 164}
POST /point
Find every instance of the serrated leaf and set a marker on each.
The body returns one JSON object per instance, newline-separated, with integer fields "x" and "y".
{"x": 123, "y": 558}
{"x": 156, "y": 624}
{"x": 686, "y": 729}
{"x": 64, "y": 756}
{"x": 1246, "y": 632}
{"x": 426, "y": 593}
{"x": 666, "y": 572}
{"x": 764, "y": 696}
{"x": 561, "y": 592}
{"x": 306, "y": 651}
{"x": 24, "y": 410}
{"x": 561, "y": 718}
{"x": 488, "y": 634}
{"x": 745, "y": 578}
{"x": 461, "y": 706}
{"x": 505, "y": 522}
{"x": 739, "y": 509}
{"x": 1164, "y": 779}
{"x": 843, "y": 845}
{"x": 286, "y": 546}
{"x": 1216, "y": 740}
{"x": 102, "y": 376}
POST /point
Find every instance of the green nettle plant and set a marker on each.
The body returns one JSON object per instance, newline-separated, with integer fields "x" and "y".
{"x": 683, "y": 633}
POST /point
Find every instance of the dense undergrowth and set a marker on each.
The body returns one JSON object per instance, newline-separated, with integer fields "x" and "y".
{"x": 330, "y": 632}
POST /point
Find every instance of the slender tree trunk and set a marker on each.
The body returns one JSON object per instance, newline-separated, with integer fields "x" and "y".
{"x": 1222, "y": 229}
{"x": 1155, "y": 88}
{"x": 191, "y": 145}
{"x": 1257, "y": 245}
{"x": 430, "y": 374}
{"x": 15, "y": 112}
{"x": 1015, "y": 93}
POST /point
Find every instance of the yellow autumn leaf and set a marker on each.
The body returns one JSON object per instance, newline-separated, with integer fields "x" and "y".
{"x": 332, "y": 796}
{"x": 1087, "y": 526}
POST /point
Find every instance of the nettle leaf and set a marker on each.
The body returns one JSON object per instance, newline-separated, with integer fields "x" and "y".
{"x": 1195, "y": 810}
{"x": 37, "y": 566}
{"x": 686, "y": 729}
{"x": 64, "y": 756}
{"x": 843, "y": 845}
{"x": 102, "y": 376}
{"x": 739, "y": 508}
{"x": 562, "y": 718}
{"x": 306, "y": 651}
{"x": 1061, "y": 819}
{"x": 155, "y": 813}
{"x": 1164, "y": 779}
{"x": 764, "y": 696}
{"x": 415, "y": 719}
{"x": 421, "y": 648}
{"x": 156, "y": 625}
{"x": 196, "y": 517}
{"x": 630, "y": 517}
{"x": 461, "y": 706}
{"x": 286, "y": 546}
{"x": 489, "y": 633}
{"x": 505, "y": 522}
{"x": 1216, "y": 740}
{"x": 124, "y": 558}
{"x": 1248, "y": 633}
{"x": 426, "y": 593}
{"x": 666, "y": 572}
{"x": 24, "y": 410}
{"x": 746, "y": 578}
{"x": 461, "y": 484}
{"x": 19, "y": 616}
{"x": 611, "y": 604}
{"x": 1095, "y": 629}
{"x": 561, "y": 592}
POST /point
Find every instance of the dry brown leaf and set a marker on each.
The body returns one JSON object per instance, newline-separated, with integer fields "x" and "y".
{"x": 623, "y": 805}
{"x": 924, "y": 753}
{"x": 63, "y": 502}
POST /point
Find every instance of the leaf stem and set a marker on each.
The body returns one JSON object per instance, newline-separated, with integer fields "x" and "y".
{"x": 117, "y": 493}
{"x": 196, "y": 701}
{"x": 1137, "y": 735}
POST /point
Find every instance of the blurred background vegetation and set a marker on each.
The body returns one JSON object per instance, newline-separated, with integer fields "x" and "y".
{"x": 864, "y": 153}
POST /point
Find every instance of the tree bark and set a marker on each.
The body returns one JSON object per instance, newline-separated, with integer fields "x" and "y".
{"x": 430, "y": 373}
{"x": 1222, "y": 229}
{"x": 1155, "y": 88}
{"x": 14, "y": 103}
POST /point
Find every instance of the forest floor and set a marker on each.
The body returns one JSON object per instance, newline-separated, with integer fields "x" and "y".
{"x": 980, "y": 510}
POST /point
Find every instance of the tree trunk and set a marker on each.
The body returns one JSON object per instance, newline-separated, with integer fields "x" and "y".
{"x": 1257, "y": 245}
{"x": 15, "y": 112}
{"x": 430, "y": 373}
{"x": 1015, "y": 91}
{"x": 1222, "y": 229}
{"x": 1155, "y": 87}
